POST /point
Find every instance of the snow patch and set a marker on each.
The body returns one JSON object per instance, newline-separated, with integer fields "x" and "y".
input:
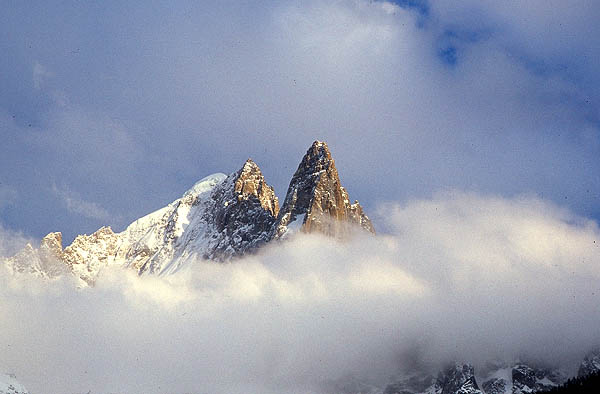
{"x": 10, "y": 385}
{"x": 206, "y": 184}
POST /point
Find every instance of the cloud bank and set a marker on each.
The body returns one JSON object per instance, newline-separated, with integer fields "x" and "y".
{"x": 461, "y": 277}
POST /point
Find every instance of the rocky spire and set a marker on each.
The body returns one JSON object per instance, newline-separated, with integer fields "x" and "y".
{"x": 244, "y": 213}
{"x": 251, "y": 182}
{"x": 316, "y": 200}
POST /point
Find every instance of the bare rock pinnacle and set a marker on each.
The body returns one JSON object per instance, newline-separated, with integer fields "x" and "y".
{"x": 316, "y": 201}
{"x": 244, "y": 212}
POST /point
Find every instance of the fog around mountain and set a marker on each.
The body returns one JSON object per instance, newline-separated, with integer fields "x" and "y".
{"x": 460, "y": 277}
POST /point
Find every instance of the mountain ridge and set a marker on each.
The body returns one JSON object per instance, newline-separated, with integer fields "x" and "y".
{"x": 221, "y": 217}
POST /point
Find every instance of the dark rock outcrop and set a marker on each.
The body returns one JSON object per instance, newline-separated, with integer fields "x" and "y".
{"x": 459, "y": 379}
{"x": 244, "y": 211}
{"x": 590, "y": 364}
{"x": 495, "y": 386}
{"x": 527, "y": 379}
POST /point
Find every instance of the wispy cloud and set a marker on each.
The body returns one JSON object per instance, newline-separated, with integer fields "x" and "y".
{"x": 75, "y": 204}
{"x": 8, "y": 195}
{"x": 40, "y": 74}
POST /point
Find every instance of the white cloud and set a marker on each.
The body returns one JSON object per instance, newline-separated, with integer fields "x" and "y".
{"x": 11, "y": 242}
{"x": 40, "y": 74}
{"x": 462, "y": 276}
{"x": 79, "y": 206}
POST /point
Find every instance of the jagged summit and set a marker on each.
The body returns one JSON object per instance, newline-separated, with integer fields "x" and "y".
{"x": 243, "y": 213}
{"x": 251, "y": 182}
{"x": 316, "y": 201}
{"x": 45, "y": 261}
{"x": 220, "y": 217}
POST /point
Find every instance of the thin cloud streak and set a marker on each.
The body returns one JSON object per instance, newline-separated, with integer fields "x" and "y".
{"x": 77, "y": 205}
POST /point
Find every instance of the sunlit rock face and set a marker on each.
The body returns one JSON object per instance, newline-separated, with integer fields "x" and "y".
{"x": 317, "y": 202}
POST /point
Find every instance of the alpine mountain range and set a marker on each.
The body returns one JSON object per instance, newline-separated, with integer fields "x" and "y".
{"x": 220, "y": 218}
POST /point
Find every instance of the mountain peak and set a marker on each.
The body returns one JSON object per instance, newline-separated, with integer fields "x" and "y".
{"x": 52, "y": 241}
{"x": 317, "y": 158}
{"x": 249, "y": 181}
{"x": 205, "y": 184}
{"x": 250, "y": 165}
{"x": 316, "y": 201}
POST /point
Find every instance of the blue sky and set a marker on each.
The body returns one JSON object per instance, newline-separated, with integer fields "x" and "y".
{"x": 109, "y": 111}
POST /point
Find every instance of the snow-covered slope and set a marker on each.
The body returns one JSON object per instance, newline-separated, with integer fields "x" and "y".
{"x": 44, "y": 261}
{"x": 218, "y": 218}
{"x": 10, "y": 385}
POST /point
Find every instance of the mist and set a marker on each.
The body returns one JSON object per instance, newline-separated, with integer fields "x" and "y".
{"x": 460, "y": 277}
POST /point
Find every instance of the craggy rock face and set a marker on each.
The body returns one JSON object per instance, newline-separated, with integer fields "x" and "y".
{"x": 497, "y": 379}
{"x": 590, "y": 364}
{"x": 495, "y": 386}
{"x": 243, "y": 213}
{"x": 316, "y": 200}
{"x": 459, "y": 379}
{"x": 251, "y": 183}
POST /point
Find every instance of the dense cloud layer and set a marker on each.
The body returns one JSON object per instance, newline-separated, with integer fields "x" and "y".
{"x": 125, "y": 107}
{"x": 461, "y": 277}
